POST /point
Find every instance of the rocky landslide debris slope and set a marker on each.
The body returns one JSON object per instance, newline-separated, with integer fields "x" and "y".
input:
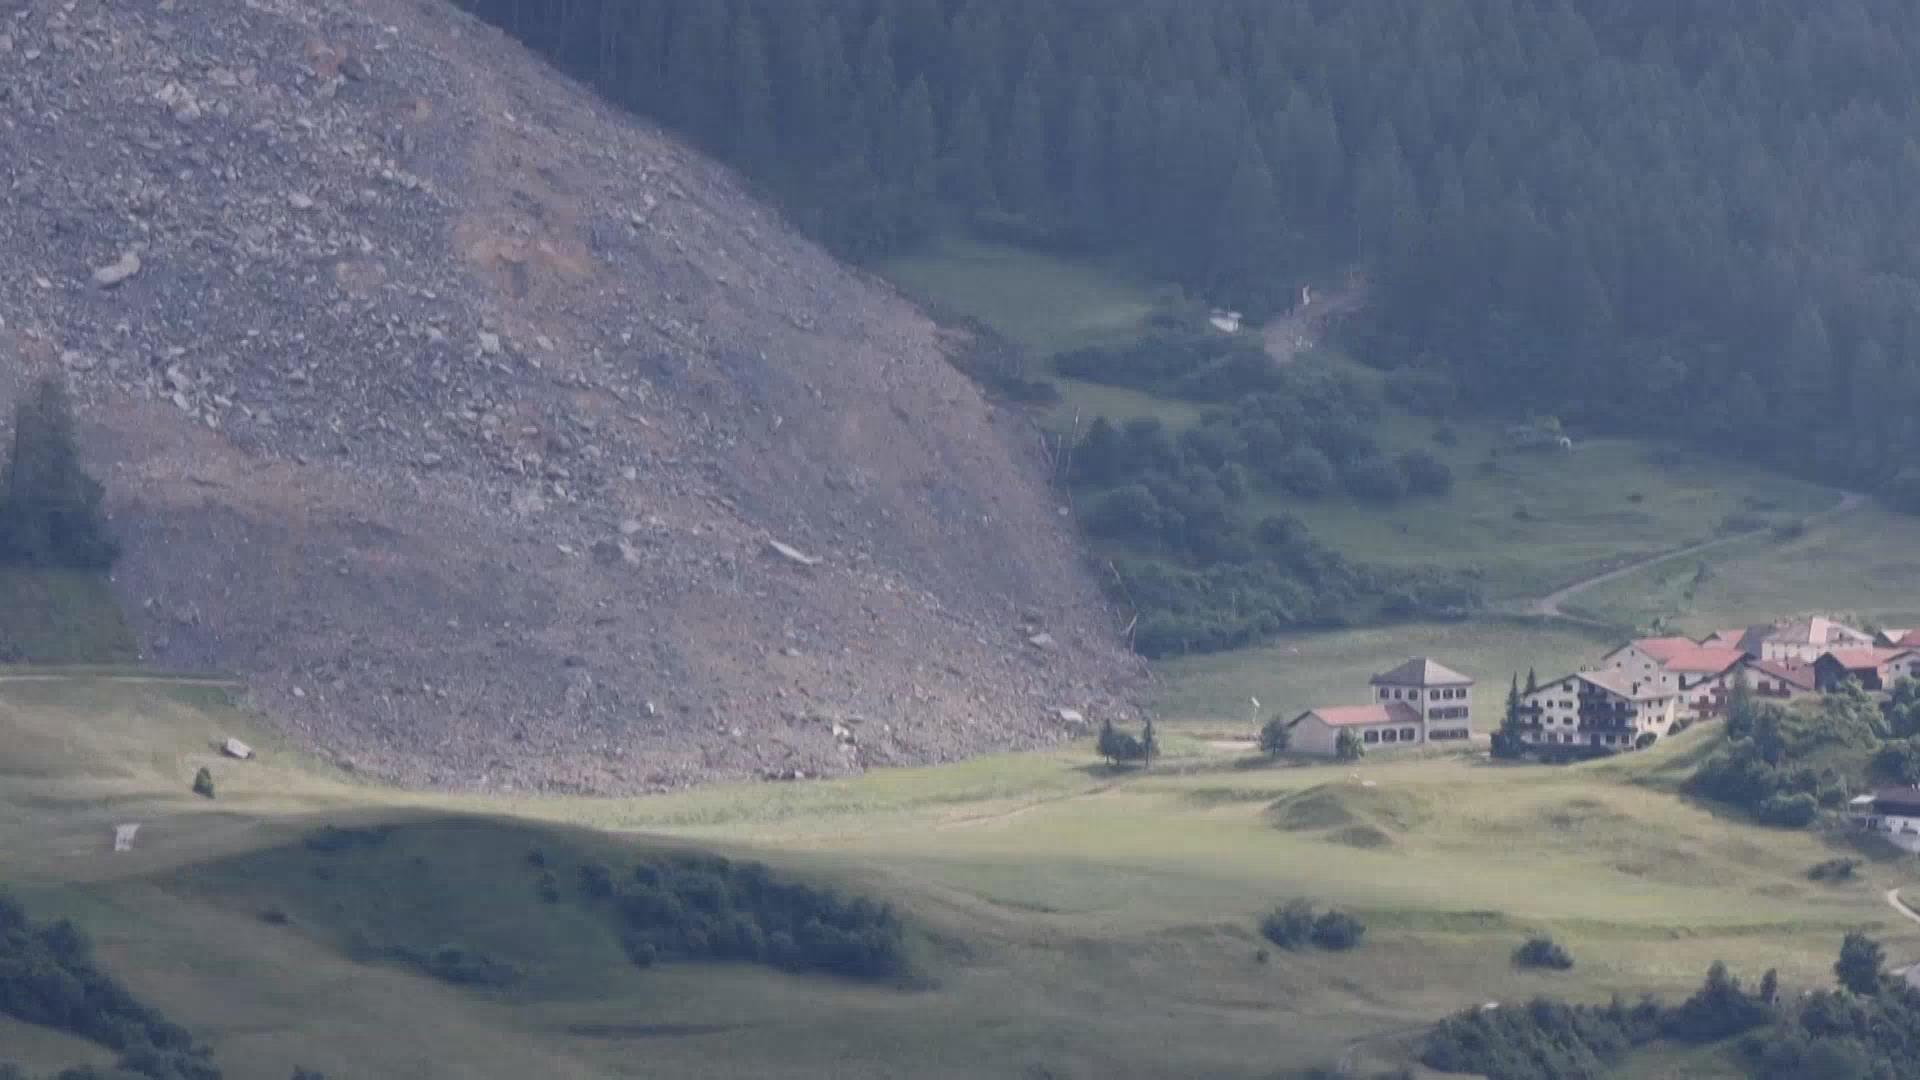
{"x": 497, "y": 439}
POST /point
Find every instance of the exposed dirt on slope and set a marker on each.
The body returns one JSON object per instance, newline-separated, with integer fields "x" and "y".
{"x": 1301, "y": 330}
{"x": 459, "y": 413}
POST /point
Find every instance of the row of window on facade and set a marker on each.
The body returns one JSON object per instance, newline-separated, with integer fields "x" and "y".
{"x": 1444, "y": 693}
{"x": 1450, "y": 713}
{"x": 1405, "y": 734}
{"x": 1569, "y": 738}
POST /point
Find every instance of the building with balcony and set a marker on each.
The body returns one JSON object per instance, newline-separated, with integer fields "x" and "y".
{"x": 1608, "y": 710}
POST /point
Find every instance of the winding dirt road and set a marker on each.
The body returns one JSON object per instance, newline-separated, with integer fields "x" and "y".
{"x": 1551, "y": 606}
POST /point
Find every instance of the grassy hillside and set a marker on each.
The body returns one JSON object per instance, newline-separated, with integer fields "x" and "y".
{"x": 1070, "y": 920}
{"x": 61, "y": 617}
{"x": 1864, "y": 564}
{"x": 1297, "y": 672}
{"x": 1528, "y": 521}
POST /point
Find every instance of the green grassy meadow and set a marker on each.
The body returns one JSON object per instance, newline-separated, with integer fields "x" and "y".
{"x": 1863, "y": 564}
{"x": 61, "y": 617}
{"x": 1070, "y": 921}
{"x": 1299, "y": 671}
{"x": 1528, "y": 521}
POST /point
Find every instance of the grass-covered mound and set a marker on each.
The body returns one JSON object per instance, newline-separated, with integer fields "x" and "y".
{"x": 483, "y": 903}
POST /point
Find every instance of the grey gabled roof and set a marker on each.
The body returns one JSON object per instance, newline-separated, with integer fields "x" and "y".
{"x": 1421, "y": 671}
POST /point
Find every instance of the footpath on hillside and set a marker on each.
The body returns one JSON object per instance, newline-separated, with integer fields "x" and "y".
{"x": 1552, "y": 605}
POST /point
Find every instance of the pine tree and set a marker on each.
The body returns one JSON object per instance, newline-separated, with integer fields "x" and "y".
{"x": 1023, "y": 168}
{"x": 1805, "y": 372}
{"x": 879, "y": 86}
{"x": 1386, "y": 206}
{"x": 966, "y": 165}
{"x": 1086, "y": 158}
{"x": 913, "y": 153}
{"x": 50, "y": 509}
{"x": 1513, "y": 703}
{"x": 1348, "y": 747}
{"x": 801, "y": 94}
{"x": 1861, "y": 959}
{"x": 1532, "y": 683}
{"x": 753, "y": 139}
{"x": 696, "y": 70}
{"x": 1740, "y": 706}
{"x": 1249, "y": 244}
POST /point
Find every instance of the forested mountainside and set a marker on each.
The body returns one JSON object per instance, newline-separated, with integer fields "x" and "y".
{"x": 499, "y": 439}
{"x": 1692, "y": 219}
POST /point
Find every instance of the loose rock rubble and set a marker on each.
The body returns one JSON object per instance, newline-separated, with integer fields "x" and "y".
{"x": 455, "y": 410}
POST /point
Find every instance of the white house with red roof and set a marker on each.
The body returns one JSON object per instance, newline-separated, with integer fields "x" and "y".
{"x": 1698, "y": 676}
{"x": 1779, "y": 680}
{"x": 1873, "y": 669}
{"x": 1418, "y": 702}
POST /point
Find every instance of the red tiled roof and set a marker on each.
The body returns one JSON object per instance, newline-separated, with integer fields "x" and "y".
{"x": 1664, "y": 649}
{"x": 1391, "y": 712}
{"x": 1910, "y": 639}
{"x": 1800, "y": 675}
{"x": 1726, "y": 638}
{"x": 1702, "y": 660}
{"x": 1862, "y": 659}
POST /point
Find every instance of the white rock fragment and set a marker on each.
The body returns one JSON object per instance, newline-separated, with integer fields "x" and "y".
{"x": 115, "y": 273}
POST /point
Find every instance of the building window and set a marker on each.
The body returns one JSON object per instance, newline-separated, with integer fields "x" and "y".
{"x": 1372, "y": 736}
{"x": 1389, "y": 735}
{"x": 1406, "y": 734}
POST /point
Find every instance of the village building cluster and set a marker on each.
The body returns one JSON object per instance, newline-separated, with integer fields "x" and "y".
{"x": 1631, "y": 698}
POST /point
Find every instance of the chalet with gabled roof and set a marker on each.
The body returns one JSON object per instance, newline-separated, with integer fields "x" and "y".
{"x": 1418, "y": 702}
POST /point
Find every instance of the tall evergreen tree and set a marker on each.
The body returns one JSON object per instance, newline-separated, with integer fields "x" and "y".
{"x": 1248, "y": 239}
{"x": 753, "y": 146}
{"x": 1023, "y": 159}
{"x": 1086, "y": 158}
{"x": 914, "y": 154}
{"x": 50, "y": 508}
{"x": 966, "y": 164}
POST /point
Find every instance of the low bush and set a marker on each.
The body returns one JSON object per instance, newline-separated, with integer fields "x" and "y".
{"x": 48, "y": 977}
{"x": 1543, "y": 1040}
{"x": 1834, "y": 870}
{"x": 332, "y": 838}
{"x": 1543, "y": 952}
{"x": 1425, "y": 474}
{"x": 705, "y": 907}
{"x": 1338, "y": 930}
{"x": 1294, "y": 925}
{"x": 1290, "y": 926}
{"x": 460, "y": 966}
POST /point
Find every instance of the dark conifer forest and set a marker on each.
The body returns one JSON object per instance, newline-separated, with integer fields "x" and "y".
{"x": 1698, "y": 219}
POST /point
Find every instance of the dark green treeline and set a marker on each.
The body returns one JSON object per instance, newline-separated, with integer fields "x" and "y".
{"x": 1696, "y": 218}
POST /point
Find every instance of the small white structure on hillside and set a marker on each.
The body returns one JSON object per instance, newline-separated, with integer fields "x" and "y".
{"x": 1893, "y": 813}
{"x": 1227, "y": 322}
